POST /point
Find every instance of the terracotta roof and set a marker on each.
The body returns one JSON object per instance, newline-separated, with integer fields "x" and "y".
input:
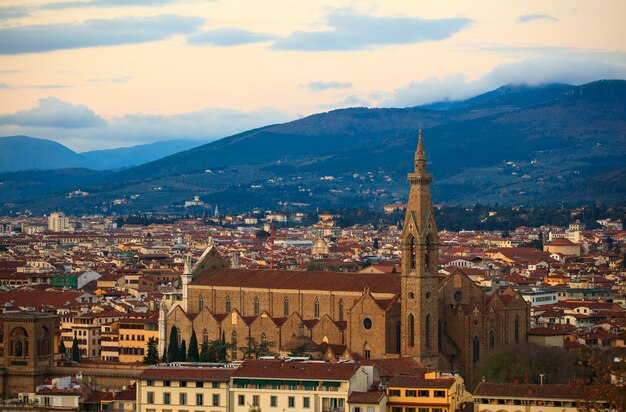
{"x": 366, "y": 397}
{"x": 296, "y": 370}
{"x": 187, "y": 373}
{"x": 299, "y": 280}
{"x": 419, "y": 382}
{"x": 397, "y": 366}
{"x": 512, "y": 390}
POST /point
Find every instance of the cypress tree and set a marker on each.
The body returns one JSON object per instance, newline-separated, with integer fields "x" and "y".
{"x": 205, "y": 356}
{"x": 75, "y": 351}
{"x": 172, "y": 348}
{"x": 192, "y": 354}
{"x": 62, "y": 349}
{"x": 182, "y": 353}
{"x": 152, "y": 354}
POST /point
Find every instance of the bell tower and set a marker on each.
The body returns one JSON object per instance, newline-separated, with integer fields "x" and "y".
{"x": 419, "y": 247}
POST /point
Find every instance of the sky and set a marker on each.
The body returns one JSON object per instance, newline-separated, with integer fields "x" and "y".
{"x": 96, "y": 74}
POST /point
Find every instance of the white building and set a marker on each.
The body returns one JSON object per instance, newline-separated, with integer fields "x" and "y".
{"x": 58, "y": 222}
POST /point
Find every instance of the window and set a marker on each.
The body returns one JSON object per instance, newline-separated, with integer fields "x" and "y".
{"x": 200, "y": 303}
{"x": 199, "y": 399}
{"x": 227, "y": 304}
{"x": 306, "y": 402}
{"x": 150, "y": 397}
{"x": 167, "y": 383}
{"x": 255, "y": 400}
{"x": 166, "y": 398}
{"x": 182, "y": 398}
{"x": 476, "y": 348}
{"x": 427, "y": 331}
{"x": 257, "y": 305}
{"x": 370, "y": 409}
{"x": 396, "y": 409}
{"x": 291, "y": 402}
{"x": 423, "y": 393}
{"x": 233, "y": 341}
{"x": 517, "y": 329}
{"x": 366, "y": 351}
{"x": 241, "y": 400}
{"x": 437, "y": 409}
{"x": 411, "y": 393}
{"x": 340, "y": 310}
{"x": 440, "y": 394}
{"x": 205, "y": 336}
{"x": 316, "y": 308}
{"x": 215, "y": 385}
{"x": 199, "y": 384}
{"x": 423, "y": 410}
{"x": 411, "y": 331}
{"x": 492, "y": 339}
{"x": 273, "y": 401}
{"x": 394, "y": 392}
{"x": 409, "y": 410}
{"x": 216, "y": 400}
{"x": 356, "y": 409}
{"x": 150, "y": 382}
{"x": 286, "y": 306}
{"x": 183, "y": 384}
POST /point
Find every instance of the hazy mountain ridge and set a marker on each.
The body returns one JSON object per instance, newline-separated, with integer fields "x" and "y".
{"x": 18, "y": 153}
{"x": 515, "y": 145}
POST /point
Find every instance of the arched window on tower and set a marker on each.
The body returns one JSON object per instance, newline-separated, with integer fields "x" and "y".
{"x": 18, "y": 343}
{"x": 476, "y": 349}
{"x": 429, "y": 243}
{"x": 439, "y": 335}
{"x": 340, "y": 310}
{"x": 44, "y": 342}
{"x": 257, "y": 305}
{"x": 286, "y": 306}
{"x": 200, "y": 303}
{"x": 366, "y": 351}
{"x": 228, "y": 308}
{"x": 205, "y": 336}
{"x": 316, "y": 308}
{"x": 412, "y": 254}
{"x": 517, "y": 329}
{"x": 411, "y": 331}
{"x": 427, "y": 331}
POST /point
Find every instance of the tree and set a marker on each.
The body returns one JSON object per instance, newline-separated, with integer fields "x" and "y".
{"x": 375, "y": 243}
{"x": 182, "y": 352}
{"x": 205, "y": 356}
{"x": 192, "y": 354}
{"x": 173, "y": 349}
{"x": 254, "y": 408}
{"x": 299, "y": 351}
{"x": 75, "y": 351}
{"x": 152, "y": 354}
{"x": 62, "y": 349}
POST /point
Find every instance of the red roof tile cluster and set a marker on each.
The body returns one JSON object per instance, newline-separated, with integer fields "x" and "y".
{"x": 512, "y": 390}
{"x": 187, "y": 373}
{"x": 404, "y": 381}
{"x": 296, "y": 370}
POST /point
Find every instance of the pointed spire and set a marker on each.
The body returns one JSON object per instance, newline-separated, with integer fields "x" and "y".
{"x": 420, "y": 155}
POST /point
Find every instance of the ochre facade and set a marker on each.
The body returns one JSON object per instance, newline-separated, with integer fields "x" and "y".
{"x": 448, "y": 323}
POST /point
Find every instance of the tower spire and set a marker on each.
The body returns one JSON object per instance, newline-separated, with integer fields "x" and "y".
{"x": 420, "y": 155}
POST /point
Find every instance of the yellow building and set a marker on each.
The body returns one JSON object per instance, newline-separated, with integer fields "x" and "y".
{"x": 430, "y": 393}
{"x": 169, "y": 388}
{"x": 296, "y": 386}
{"x": 134, "y": 334}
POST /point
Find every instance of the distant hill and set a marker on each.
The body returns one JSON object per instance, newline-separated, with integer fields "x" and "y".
{"x": 135, "y": 155}
{"x": 514, "y": 145}
{"x": 23, "y": 152}
{"x": 19, "y": 153}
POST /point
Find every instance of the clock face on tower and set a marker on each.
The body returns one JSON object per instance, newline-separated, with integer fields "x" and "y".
{"x": 457, "y": 296}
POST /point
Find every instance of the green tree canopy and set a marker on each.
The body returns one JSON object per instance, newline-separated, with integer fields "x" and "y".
{"x": 192, "y": 354}
{"x": 152, "y": 354}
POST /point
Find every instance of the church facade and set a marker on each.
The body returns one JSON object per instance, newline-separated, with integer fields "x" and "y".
{"x": 446, "y": 323}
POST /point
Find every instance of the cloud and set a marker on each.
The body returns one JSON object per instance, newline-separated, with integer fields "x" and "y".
{"x": 111, "y": 80}
{"x": 82, "y": 129}
{"x": 319, "y": 86}
{"x": 104, "y": 3}
{"x": 532, "y": 17}
{"x": 533, "y": 72}
{"x": 13, "y": 12}
{"x": 94, "y": 33}
{"x": 7, "y": 86}
{"x": 350, "y": 30}
{"x": 52, "y": 112}
{"x": 228, "y": 37}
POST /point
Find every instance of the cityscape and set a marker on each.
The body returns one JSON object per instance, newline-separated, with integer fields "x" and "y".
{"x": 210, "y": 206}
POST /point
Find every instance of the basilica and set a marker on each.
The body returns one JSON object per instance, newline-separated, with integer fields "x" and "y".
{"x": 445, "y": 322}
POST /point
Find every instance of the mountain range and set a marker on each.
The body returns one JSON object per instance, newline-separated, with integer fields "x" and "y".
{"x": 16, "y": 154}
{"x": 515, "y": 145}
